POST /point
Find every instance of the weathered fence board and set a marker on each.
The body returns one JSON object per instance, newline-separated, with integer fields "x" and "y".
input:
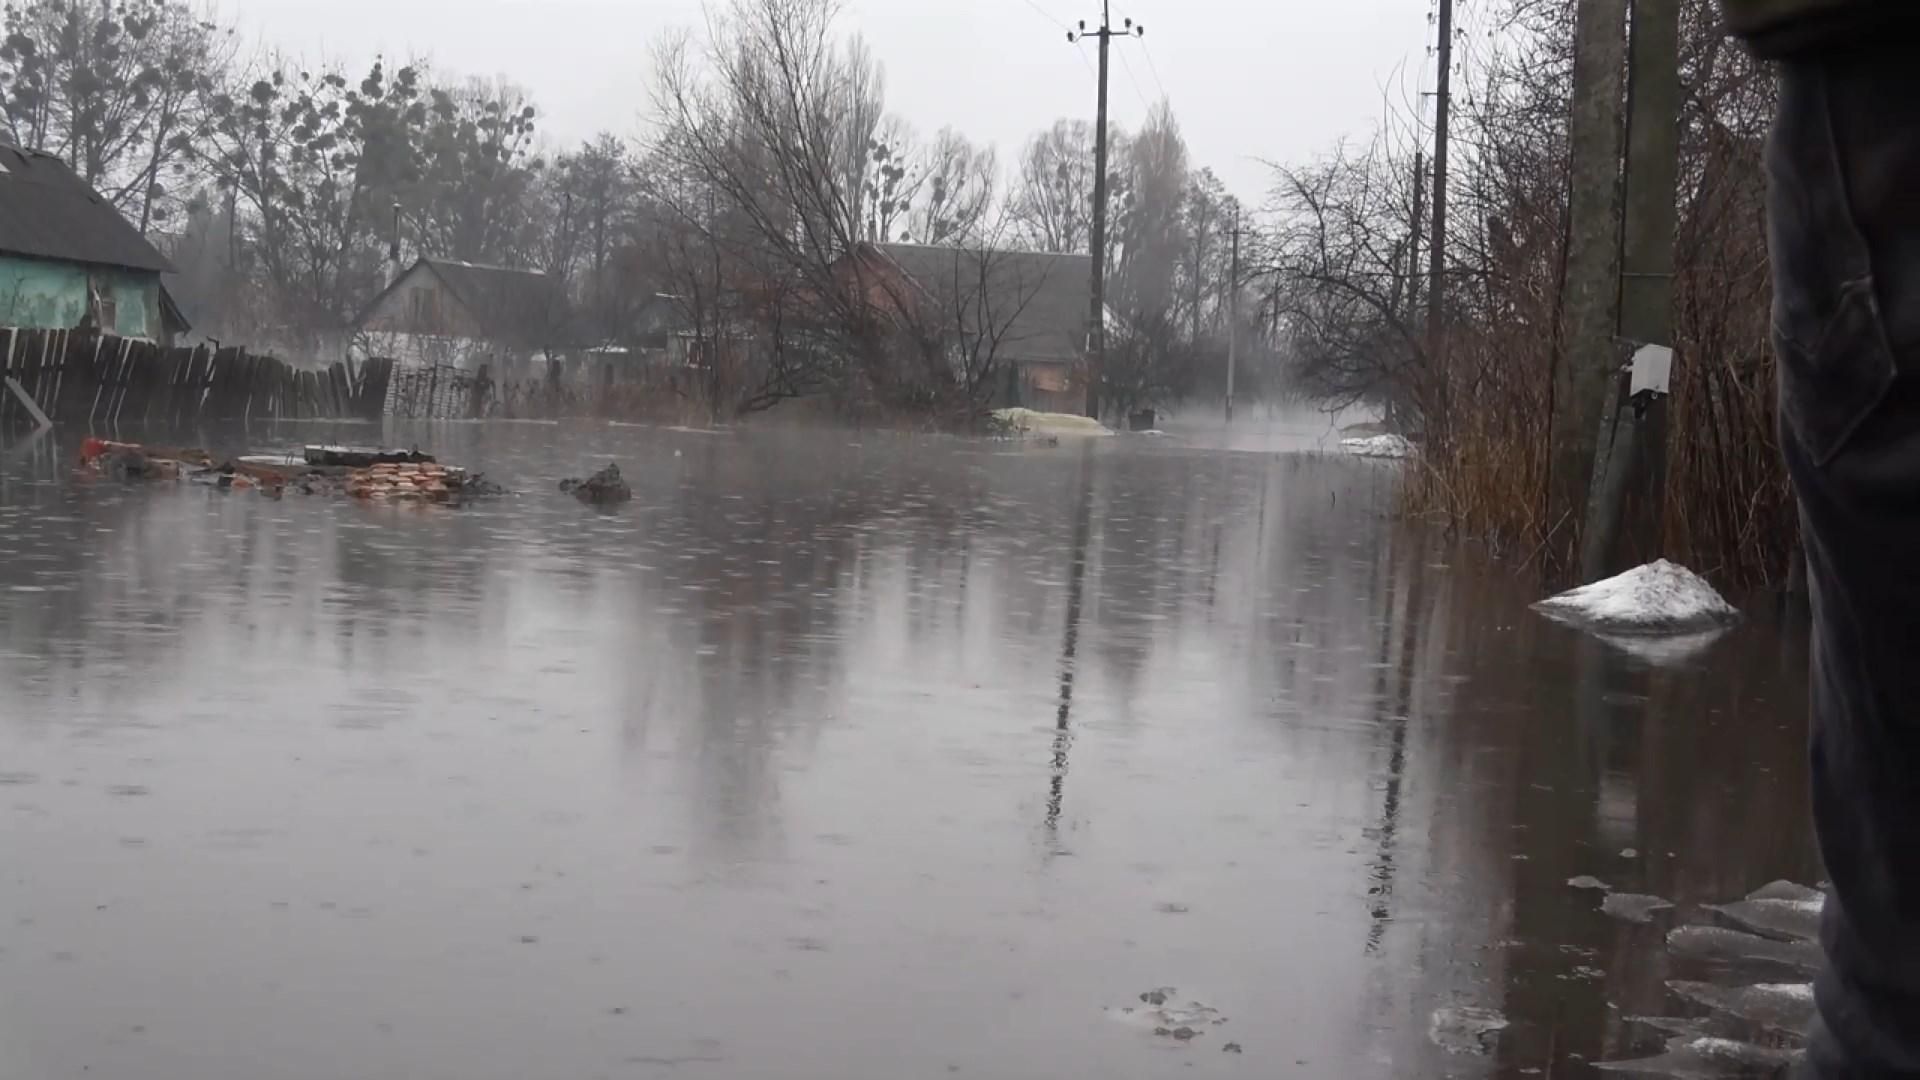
{"x": 99, "y": 379}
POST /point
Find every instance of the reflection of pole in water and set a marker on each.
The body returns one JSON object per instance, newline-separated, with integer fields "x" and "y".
{"x": 1396, "y": 712}
{"x": 1070, "y": 644}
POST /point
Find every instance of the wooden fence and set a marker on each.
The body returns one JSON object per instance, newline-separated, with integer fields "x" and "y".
{"x": 99, "y": 379}
{"x": 431, "y": 392}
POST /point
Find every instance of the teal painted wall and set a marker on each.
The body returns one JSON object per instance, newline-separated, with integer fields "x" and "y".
{"x": 43, "y": 294}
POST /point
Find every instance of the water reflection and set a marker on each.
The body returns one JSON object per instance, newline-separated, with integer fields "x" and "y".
{"x": 842, "y": 755}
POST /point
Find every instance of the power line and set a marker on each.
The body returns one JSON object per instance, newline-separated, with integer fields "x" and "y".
{"x": 1154, "y": 68}
{"x": 1045, "y": 14}
{"x": 1137, "y": 92}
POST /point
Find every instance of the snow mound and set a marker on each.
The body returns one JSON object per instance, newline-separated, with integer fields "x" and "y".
{"x": 1380, "y": 446}
{"x": 1032, "y": 422}
{"x": 1658, "y": 598}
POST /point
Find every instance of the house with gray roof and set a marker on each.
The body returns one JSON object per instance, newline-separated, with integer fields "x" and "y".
{"x": 69, "y": 261}
{"x": 1021, "y": 316}
{"x": 469, "y": 316}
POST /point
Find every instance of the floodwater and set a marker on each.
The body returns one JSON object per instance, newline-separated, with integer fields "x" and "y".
{"x": 854, "y": 756}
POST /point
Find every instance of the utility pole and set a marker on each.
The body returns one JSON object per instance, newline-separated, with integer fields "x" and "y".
{"x": 1626, "y": 507}
{"x": 1097, "y": 332}
{"x": 1437, "y": 267}
{"x": 1233, "y": 311}
{"x": 1583, "y": 378}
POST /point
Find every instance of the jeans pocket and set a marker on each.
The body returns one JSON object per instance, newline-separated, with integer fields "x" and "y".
{"x": 1828, "y": 389}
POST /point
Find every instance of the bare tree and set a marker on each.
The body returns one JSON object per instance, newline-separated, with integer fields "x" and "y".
{"x": 1053, "y": 204}
{"x": 121, "y": 90}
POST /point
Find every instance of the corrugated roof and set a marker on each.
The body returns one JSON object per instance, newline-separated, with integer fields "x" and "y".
{"x": 1036, "y": 302}
{"x": 49, "y": 213}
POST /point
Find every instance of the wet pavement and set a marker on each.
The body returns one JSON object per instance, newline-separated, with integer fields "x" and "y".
{"x": 851, "y": 756}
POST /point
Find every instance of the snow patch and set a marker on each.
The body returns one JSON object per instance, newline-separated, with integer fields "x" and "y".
{"x": 1658, "y": 598}
{"x": 1031, "y": 422}
{"x": 1378, "y": 446}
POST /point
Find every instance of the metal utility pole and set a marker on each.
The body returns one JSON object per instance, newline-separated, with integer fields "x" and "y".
{"x": 1583, "y": 377}
{"x": 1437, "y": 267}
{"x": 1233, "y": 312}
{"x": 1097, "y": 332}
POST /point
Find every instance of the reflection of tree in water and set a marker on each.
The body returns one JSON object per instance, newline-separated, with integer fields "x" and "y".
{"x": 757, "y": 551}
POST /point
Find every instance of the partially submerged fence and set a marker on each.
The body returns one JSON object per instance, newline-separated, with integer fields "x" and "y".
{"x": 432, "y": 392}
{"x": 99, "y": 379}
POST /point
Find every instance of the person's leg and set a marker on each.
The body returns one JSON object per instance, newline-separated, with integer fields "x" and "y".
{"x": 1844, "y": 220}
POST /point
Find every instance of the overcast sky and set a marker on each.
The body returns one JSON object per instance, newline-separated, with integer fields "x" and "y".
{"x": 1249, "y": 79}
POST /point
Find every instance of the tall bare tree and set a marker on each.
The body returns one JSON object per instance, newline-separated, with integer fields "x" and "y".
{"x": 119, "y": 88}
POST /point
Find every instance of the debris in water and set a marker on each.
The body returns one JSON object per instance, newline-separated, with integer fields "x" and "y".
{"x": 1588, "y": 881}
{"x": 1465, "y": 1029}
{"x": 1634, "y": 907}
{"x": 1159, "y": 996}
{"x": 1658, "y": 598}
{"x": 1171, "y": 909}
{"x": 1629, "y": 853}
{"x": 132, "y": 461}
{"x": 600, "y": 489}
{"x": 1780, "y": 1007}
{"x": 362, "y": 457}
{"x": 1232, "y": 1048}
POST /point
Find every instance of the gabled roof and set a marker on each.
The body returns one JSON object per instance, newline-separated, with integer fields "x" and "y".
{"x": 48, "y": 212}
{"x": 507, "y": 304}
{"x": 1035, "y": 302}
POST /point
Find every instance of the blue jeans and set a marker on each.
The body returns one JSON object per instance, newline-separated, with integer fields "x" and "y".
{"x": 1843, "y": 171}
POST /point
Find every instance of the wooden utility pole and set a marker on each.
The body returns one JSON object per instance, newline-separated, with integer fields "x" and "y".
{"x": 1097, "y": 329}
{"x": 1437, "y": 267}
{"x": 1583, "y": 375}
{"x": 1233, "y": 311}
{"x": 1626, "y": 509}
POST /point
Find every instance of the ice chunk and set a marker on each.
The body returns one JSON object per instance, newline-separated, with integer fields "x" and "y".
{"x": 1658, "y": 598}
{"x": 1791, "y": 919}
{"x": 1784, "y": 1007}
{"x": 1704, "y": 1057}
{"x": 1379, "y": 446}
{"x": 1465, "y": 1029}
{"x": 1634, "y": 907}
{"x": 1787, "y": 890}
{"x": 1717, "y": 944}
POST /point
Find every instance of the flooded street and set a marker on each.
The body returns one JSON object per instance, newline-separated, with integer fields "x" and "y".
{"x": 850, "y": 756}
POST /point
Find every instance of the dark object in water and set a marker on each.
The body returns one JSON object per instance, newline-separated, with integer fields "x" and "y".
{"x": 1140, "y": 420}
{"x": 360, "y": 457}
{"x": 600, "y": 489}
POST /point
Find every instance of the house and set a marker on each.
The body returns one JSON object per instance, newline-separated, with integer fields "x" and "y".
{"x": 68, "y": 260}
{"x": 1022, "y": 315}
{"x": 446, "y": 312}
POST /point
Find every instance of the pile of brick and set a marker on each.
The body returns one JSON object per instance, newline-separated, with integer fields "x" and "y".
{"x": 409, "y": 480}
